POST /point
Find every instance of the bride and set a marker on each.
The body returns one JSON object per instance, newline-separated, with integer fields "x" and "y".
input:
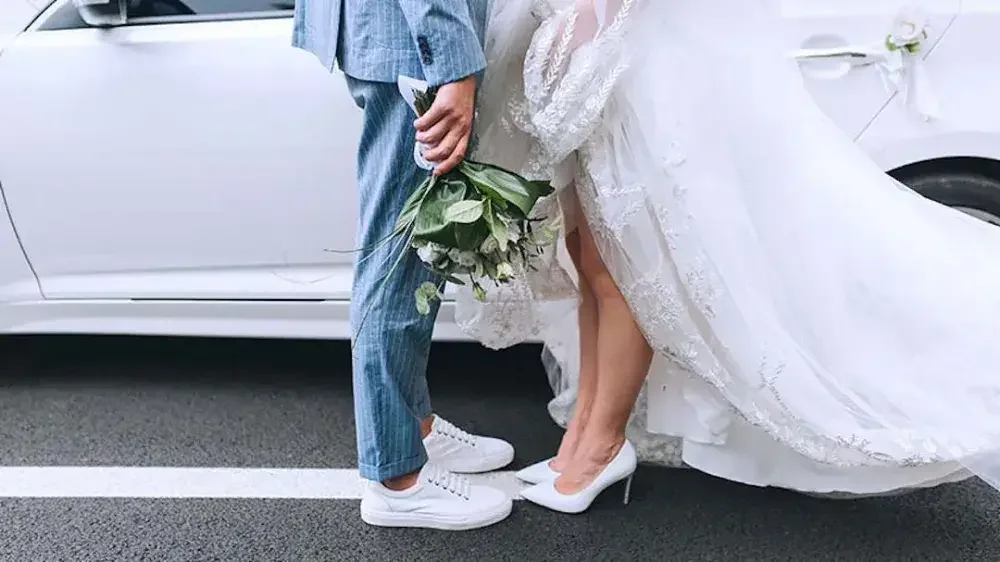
{"x": 777, "y": 308}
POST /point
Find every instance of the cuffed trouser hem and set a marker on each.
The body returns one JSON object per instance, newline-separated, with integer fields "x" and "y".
{"x": 393, "y": 470}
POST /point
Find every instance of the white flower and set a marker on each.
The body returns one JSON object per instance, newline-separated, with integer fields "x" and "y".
{"x": 431, "y": 253}
{"x": 908, "y": 29}
{"x": 505, "y": 271}
{"x": 426, "y": 254}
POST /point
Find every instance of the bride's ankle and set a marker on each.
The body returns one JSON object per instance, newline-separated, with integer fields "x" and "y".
{"x": 570, "y": 440}
{"x": 567, "y": 449}
{"x": 599, "y": 449}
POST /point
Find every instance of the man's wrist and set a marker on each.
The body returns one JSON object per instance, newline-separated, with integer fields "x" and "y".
{"x": 453, "y": 60}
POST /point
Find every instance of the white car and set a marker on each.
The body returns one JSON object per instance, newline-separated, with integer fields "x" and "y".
{"x": 185, "y": 171}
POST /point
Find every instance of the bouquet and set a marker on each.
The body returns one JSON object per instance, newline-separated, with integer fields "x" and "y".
{"x": 472, "y": 225}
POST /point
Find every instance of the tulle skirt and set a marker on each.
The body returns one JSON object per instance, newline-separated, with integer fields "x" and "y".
{"x": 817, "y": 325}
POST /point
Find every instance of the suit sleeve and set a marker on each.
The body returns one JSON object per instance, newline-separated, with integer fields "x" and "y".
{"x": 445, "y": 34}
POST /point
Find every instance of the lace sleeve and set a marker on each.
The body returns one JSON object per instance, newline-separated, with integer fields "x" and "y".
{"x": 570, "y": 70}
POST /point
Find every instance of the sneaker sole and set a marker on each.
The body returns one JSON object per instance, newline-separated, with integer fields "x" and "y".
{"x": 409, "y": 520}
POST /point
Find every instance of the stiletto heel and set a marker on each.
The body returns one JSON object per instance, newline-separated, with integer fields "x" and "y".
{"x": 621, "y": 467}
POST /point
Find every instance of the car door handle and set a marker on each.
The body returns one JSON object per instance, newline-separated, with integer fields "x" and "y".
{"x": 855, "y": 54}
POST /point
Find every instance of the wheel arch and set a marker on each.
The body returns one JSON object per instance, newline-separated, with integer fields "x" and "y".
{"x": 987, "y": 168}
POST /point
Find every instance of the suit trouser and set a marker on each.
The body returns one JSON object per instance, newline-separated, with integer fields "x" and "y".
{"x": 392, "y": 345}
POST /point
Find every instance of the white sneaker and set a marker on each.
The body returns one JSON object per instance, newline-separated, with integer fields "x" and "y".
{"x": 458, "y": 451}
{"x": 439, "y": 500}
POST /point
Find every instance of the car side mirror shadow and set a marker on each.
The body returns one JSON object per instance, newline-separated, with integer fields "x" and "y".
{"x": 103, "y": 13}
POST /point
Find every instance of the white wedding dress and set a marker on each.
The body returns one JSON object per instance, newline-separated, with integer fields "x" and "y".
{"x": 818, "y": 326}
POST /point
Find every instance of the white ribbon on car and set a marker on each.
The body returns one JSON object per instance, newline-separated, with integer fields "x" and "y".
{"x": 906, "y": 75}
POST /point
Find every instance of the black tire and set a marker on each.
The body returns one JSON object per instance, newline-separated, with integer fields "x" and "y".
{"x": 964, "y": 190}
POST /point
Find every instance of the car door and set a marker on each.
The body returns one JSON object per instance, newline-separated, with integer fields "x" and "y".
{"x": 189, "y": 154}
{"x": 853, "y": 95}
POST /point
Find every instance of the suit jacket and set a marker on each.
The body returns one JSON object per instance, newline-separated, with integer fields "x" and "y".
{"x": 377, "y": 40}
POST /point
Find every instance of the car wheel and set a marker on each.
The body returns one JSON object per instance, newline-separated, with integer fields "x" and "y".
{"x": 972, "y": 193}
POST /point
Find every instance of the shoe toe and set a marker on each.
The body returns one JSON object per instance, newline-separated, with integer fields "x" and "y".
{"x": 536, "y": 473}
{"x": 492, "y": 500}
{"x": 496, "y": 451}
{"x": 534, "y": 494}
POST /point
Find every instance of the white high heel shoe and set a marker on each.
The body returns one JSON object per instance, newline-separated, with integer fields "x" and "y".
{"x": 537, "y": 473}
{"x": 621, "y": 467}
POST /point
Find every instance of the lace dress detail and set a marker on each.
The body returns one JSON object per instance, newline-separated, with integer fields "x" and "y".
{"x": 784, "y": 355}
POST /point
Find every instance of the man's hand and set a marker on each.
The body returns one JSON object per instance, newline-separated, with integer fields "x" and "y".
{"x": 445, "y": 128}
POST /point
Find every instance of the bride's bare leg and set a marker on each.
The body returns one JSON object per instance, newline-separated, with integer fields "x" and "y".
{"x": 623, "y": 359}
{"x": 587, "y": 383}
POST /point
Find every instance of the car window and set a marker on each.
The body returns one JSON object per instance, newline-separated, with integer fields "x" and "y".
{"x": 155, "y": 8}
{"x": 147, "y": 11}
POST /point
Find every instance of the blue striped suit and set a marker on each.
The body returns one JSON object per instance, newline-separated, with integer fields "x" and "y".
{"x": 374, "y": 41}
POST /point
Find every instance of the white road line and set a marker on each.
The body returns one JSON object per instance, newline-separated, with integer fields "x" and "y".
{"x": 190, "y": 482}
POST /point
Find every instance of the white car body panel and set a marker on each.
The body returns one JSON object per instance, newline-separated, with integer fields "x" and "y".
{"x": 15, "y": 15}
{"x": 200, "y": 160}
{"x": 17, "y": 281}
{"x": 965, "y": 75}
{"x": 187, "y": 178}
{"x": 853, "y": 96}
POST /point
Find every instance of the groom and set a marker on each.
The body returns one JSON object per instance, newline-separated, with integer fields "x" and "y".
{"x": 411, "y": 456}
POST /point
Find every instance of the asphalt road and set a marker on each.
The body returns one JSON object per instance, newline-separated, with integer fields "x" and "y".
{"x": 93, "y": 402}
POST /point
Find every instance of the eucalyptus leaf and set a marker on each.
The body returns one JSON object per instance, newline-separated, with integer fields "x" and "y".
{"x": 465, "y": 212}
{"x": 425, "y": 293}
{"x": 428, "y": 290}
{"x": 423, "y": 305}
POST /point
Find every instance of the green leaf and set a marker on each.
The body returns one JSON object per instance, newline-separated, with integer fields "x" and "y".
{"x": 505, "y": 187}
{"x": 540, "y": 189}
{"x": 469, "y": 237}
{"x": 423, "y": 305}
{"x": 423, "y": 296}
{"x": 429, "y": 223}
{"x": 465, "y": 212}
{"x": 423, "y": 101}
{"x": 497, "y": 227}
{"x": 412, "y": 205}
{"x": 428, "y": 290}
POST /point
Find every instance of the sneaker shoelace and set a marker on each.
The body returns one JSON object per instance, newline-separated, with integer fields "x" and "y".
{"x": 455, "y": 484}
{"x": 450, "y": 431}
